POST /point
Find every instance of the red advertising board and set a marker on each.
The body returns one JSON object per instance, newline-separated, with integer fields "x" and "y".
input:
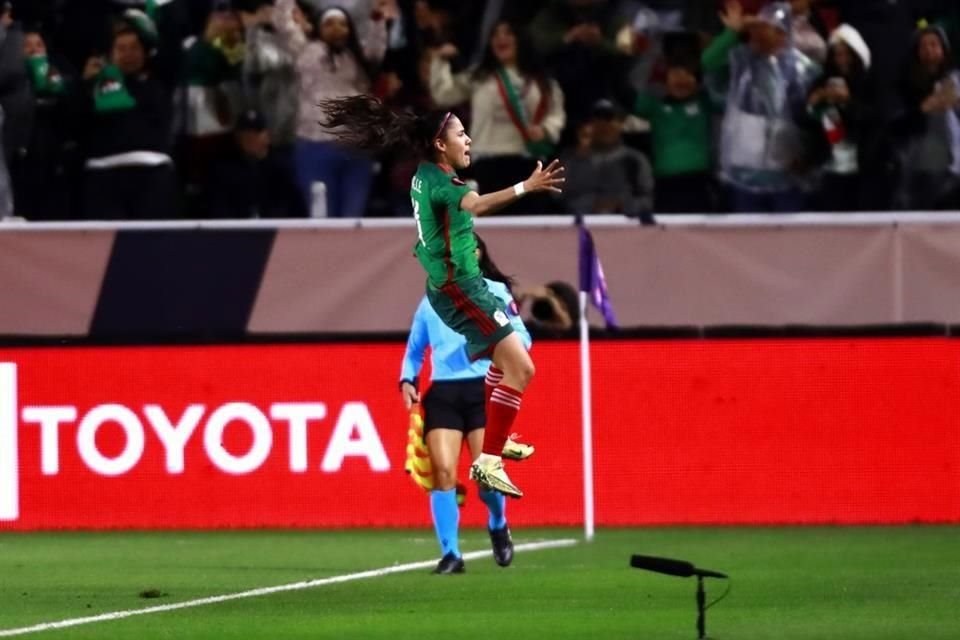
{"x": 814, "y": 431}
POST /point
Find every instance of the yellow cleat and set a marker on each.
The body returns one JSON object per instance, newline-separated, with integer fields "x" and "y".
{"x": 513, "y": 450}
{"x": 493, "y": 477}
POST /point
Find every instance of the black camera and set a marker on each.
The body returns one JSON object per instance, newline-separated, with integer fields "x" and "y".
{"x": 559, "y": 308}
{"x": 543, "y": 310}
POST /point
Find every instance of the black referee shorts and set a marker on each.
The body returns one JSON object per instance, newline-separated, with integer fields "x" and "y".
{"x": 454, "y": 404}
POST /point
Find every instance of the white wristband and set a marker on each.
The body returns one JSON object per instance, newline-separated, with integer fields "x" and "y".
{"x": 519, "y": 189}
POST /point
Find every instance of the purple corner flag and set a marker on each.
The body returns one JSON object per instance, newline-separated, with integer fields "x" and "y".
{"x": 591, "y": 278}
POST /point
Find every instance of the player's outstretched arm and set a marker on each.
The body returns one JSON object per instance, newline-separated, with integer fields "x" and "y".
{"x": 549, "y": 179}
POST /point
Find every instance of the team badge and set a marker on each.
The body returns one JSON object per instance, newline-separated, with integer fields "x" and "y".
{"x": 501, "y": 318}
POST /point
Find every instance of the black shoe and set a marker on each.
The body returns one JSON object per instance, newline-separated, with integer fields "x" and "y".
{"x": 450, "y": 564}
{"x": 502, "y": 546}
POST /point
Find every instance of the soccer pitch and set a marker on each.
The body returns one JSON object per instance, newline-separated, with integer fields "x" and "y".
{"x": 813, "y": 582}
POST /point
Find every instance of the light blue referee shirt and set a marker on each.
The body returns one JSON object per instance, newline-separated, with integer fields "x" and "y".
{"x": 449, "y": 357}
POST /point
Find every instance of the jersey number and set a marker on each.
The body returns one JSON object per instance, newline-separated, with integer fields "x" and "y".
{"x": 416, "y": 216}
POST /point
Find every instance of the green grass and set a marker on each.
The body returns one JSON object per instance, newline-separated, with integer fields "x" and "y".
{"x": 882, "y": 582}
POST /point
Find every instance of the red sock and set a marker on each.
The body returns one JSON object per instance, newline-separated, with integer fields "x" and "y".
{"x": 494, "y": 376}
{"x": 503, "y": 408}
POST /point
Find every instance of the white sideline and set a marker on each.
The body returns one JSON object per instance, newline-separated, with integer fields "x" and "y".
{"x": 252, "y": 593}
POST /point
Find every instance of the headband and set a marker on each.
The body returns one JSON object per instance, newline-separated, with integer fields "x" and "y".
{"x": 443, "y": 124}
{"x": 331, "y": 12}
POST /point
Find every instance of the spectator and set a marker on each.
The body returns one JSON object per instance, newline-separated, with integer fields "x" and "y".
{"x": 652, "y": 37}
{"x": 16, "y": 99}
{"x": 932, "y": 98}
{"x": 212, "y": 97}
{"x": 416, "y": 31}
{"x": 129, "y": 172}
{"x": 680, "y": 125}
{"x": 410, "y": 93}
{"x": 44, "y": 168}
{"x": 434, "y": 23}
{"x": 440, "y": 21}
{"x": 808, "y": 31}
{"x": 270, "y": 76}
{"x": 81, "y": 28}
{"x": 763, "y": 152}
{"x": 330, "y": 64}
{"x": 577, "y": 38}
{"x": 841, "y": 103}
{"x": 46, "y": 79}
{"x": 610, "y": 176}
{"x": 887, "y": 27}
{"x": 6, "y": 193}
{"x": 398, "y": 88}
{"x": 213, "y": 63}
{"x": 517, "y": 112}
{"x": 577, "y": 160}
{"x": 249, "y": 183}
{"x": 13, "y": 85}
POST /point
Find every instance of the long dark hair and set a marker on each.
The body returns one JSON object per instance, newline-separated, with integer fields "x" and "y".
{"x": 489, "y": 268}
{"x": 919, "y": 83}
{"x": 526, "y": 59}
{"x": 854, "y": 77}
{"x": 365, "y": 122}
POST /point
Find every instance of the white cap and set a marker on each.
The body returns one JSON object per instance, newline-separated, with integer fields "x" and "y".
{"x": 852, "y": 38}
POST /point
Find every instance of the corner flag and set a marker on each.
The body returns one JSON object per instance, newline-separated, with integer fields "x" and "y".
{"x": 592, "y": 281}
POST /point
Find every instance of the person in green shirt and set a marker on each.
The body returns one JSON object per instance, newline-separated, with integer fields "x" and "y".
{"x": 444, "y": 207}
{"x": 681, "y": 140}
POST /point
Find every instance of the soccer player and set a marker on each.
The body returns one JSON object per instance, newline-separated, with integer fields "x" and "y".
{"x": 454, "y": 408}
{"x": 444, "y": 206}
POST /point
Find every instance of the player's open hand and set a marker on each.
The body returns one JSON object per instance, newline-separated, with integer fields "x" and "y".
{"x": 549, "y": 179}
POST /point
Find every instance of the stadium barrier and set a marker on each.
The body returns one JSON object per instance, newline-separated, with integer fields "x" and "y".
{"x": 145, "y": 281}
{"x": 841, "y": 430}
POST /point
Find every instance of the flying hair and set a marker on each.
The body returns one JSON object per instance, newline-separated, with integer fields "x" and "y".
{"x": 363, "y": 121}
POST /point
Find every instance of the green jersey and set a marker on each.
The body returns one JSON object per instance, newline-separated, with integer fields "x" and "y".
{"x": 445, "y": 244}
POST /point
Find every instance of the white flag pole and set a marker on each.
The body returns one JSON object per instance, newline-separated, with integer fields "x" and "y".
{"x": 586, "y": 419}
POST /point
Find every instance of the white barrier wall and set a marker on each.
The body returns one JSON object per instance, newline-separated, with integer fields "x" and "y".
{"x": 342, "y": 276}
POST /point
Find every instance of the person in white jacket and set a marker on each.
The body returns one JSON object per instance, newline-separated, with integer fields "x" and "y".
{"x": 517, "y": 112}
{"x": 331, "y": 62}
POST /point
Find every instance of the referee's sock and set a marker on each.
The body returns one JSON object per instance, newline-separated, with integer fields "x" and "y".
{"x": 497, "y": 506}
{"x": 446, "y": 520}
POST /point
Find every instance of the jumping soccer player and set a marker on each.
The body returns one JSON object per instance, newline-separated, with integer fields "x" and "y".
{"x": 453, "y": 408}
{"x": 444, "y": 206}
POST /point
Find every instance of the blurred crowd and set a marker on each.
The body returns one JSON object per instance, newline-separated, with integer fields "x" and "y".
{"x": 160, "y": 109}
